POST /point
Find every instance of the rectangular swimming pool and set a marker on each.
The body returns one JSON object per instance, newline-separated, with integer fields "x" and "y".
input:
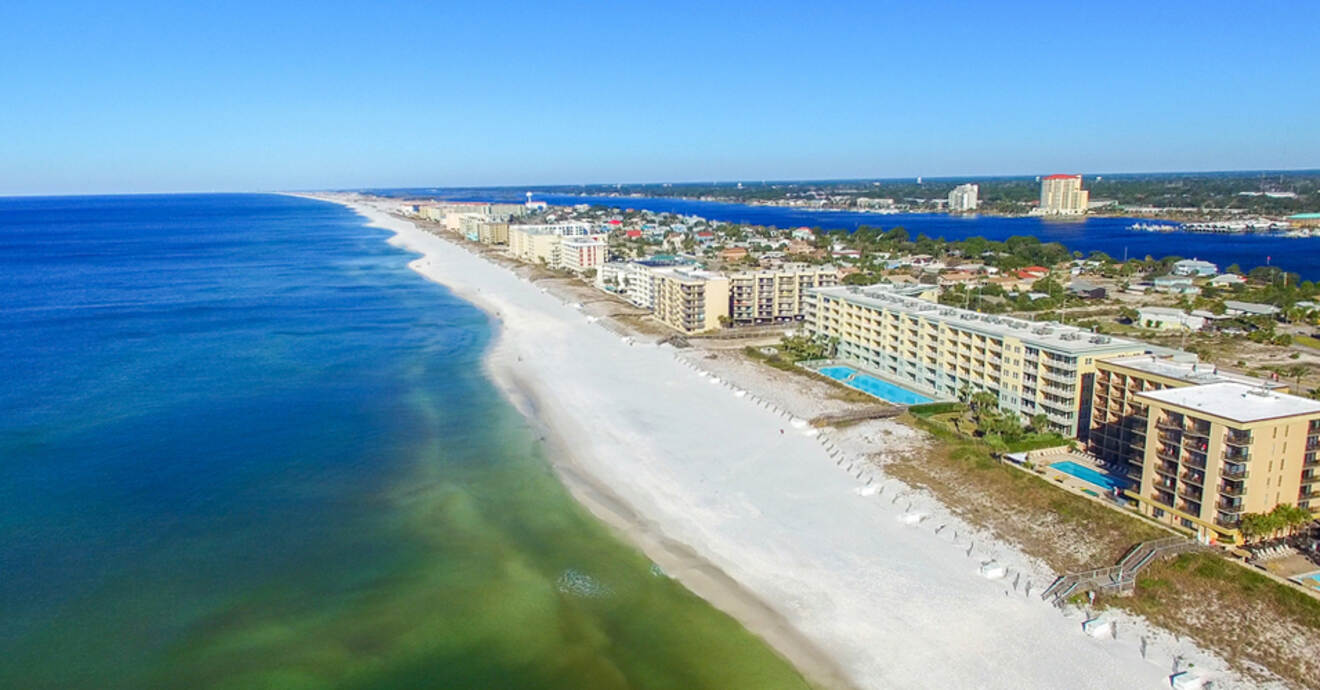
{"x": 1087, "y": 474}
{"x": 873, "y": 386}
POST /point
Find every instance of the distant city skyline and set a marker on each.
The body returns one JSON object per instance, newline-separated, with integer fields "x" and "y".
{"x": 250, "y": 97}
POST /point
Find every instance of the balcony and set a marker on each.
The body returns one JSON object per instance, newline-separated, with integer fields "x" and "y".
{"x": 1193, "y": 462}
{"x": 1193, "y": 478}
{"x": 1197, "y": 430}
{"x": 1232, "y": 489}
{"x": 1237, "y": 437}
{"x": 1058, "y": 376}
{"x": 1171, "y": 425}
{"x": 1167, "y": 468}
{"x": 1230, "y": 505}
{"x": 1191, "y": 493}
{"x": 1237, "y": 453}
{"x": 1164, "y": 499}
{"x": 1227, "y": 520}
{"x": 1235, "y": 473}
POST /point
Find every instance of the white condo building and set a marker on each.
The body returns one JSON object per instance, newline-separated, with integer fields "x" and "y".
{"x": 579, "y": 254}
{"x": 964, "y": 198}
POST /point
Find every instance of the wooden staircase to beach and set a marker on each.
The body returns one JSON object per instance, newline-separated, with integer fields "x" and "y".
{"x": 1120, "y": 577}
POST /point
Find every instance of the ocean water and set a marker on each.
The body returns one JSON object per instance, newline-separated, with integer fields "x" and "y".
{"x": 1109, "y": 235}
{"x": 242, "y": 445}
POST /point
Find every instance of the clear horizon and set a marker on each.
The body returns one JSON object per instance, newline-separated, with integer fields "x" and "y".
{"x": 161, "y": 98}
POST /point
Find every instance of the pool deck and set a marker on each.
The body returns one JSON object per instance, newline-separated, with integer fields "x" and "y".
{"x": 1043, "y": 459}
{"x": 815, "y": 365}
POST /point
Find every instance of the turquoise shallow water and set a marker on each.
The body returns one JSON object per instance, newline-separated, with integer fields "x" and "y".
{"x": 242, "y": 445}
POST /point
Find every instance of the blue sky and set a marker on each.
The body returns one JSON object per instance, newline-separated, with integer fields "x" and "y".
{"x": 239, "y": 95}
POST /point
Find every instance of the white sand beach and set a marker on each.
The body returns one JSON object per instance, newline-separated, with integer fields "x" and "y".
{"x": 857, "y": 579}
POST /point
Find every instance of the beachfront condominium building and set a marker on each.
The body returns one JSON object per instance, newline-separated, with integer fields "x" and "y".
{"x": 964, "y": 198}
{"x": 1062, "y": 195}
{"x": 451, "y": 214}
{"x": 691, "y": 300}
{"x": 539, "y": 244}
{"x": 1218, "y": 451}
{"x": 580, "y": 254}
{"x": 775, "y": 295}
{"x": 1118, "y": 419}
{"x": 1031, "y": 367}
{"x": 484, "y": 229}
{"x": 635, "y": 280}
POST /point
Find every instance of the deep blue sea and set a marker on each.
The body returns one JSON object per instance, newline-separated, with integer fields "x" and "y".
{"x": 1109, "y": 235}
{"x": 242, "y": 445}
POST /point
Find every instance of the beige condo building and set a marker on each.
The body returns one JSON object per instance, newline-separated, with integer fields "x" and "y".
{"x": 539, "y": 244}
{"x": 1031, "y": 367}
{"x": 690, "y": 300}
{"x": 1217, "y": 451}
{"x": 775, "y": 295}
{"x": 484, "y": 229}
{"x": 1118, "y": 419}
{"x": 1063, "y": 195}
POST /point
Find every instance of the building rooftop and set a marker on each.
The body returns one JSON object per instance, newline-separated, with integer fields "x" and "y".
{"x": 1061, "y": 177}
{"x": 1161, "y": 311}
{"x": 1250, "y": 307}
{"x": 583, "y": 241}
{"x": 1184, "y": 367}
{"x": 1044, "y": 334}
{"x": 1235, "y": 401}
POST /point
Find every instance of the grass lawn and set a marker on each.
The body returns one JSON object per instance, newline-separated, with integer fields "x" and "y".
{"x": 1307, "y": 341}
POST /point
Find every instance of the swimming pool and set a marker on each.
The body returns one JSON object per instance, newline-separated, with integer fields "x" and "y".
{"x": 873, "y": 386}
{"x": 1311, "y": 580}
{"x": 1087, "y": 474}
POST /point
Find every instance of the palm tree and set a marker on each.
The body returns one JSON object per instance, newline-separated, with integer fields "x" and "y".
{"x": 1296, "y": 372}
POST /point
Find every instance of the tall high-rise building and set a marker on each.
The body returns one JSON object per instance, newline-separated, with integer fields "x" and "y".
{"x": 964, "y": 198}
{"x": 1063, "y": 195}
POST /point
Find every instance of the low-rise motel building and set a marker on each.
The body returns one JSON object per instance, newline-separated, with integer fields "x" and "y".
{"x": 690, "y": 300}
{"x": 1217, "y": 451}
{"x": 1032, "y": 367}
{"x": 775, "y": 295}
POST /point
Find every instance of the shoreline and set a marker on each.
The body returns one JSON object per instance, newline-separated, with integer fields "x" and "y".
{"x": 699, "y": 575}
{"x": 794, "y": 551}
